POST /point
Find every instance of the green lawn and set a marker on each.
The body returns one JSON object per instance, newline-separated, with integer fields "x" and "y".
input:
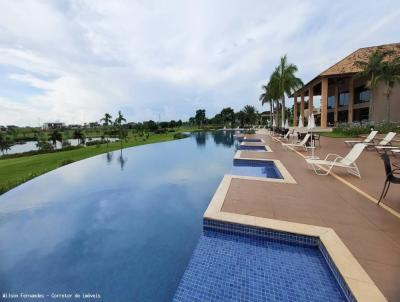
{"x": 15, "y": 171}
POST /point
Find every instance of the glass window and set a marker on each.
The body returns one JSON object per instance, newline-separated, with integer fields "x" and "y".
{"x": 331, "y": 102}
{"x": 362, "y": 95}
{"x": 343, "y": 99}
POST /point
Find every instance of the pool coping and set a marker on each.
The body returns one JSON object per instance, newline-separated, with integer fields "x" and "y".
{"x": 358, "y": 281}
{"x": 287, "y": 177}
{"x": 256, "y": 144}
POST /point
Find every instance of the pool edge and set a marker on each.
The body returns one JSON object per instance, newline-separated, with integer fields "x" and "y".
{"x": 357, "y": 280}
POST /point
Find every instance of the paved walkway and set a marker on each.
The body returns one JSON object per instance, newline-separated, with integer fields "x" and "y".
{"x": 371, "y": 233}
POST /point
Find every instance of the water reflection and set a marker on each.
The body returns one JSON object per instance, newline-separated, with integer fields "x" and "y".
{"x": 122, "y": 160}
{"x": 109, "y": 157}
{"x": 225, "y": 138}
{"x": 201, "y": 138}
{"x": 126, "y": 231}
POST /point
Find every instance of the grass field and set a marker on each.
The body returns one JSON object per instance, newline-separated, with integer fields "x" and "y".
{"x": 15, "y": 171}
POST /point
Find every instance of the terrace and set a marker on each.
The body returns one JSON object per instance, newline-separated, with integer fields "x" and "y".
{"x": 339, "y": 201}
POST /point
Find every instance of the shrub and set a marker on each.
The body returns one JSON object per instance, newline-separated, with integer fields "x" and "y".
{"x": 357, "y": 129}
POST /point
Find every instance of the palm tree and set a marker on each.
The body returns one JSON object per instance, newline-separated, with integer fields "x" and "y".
{"x": 118, "y": 122}
{"x": 79, "y": 136}
{"x": 5, "y": 144}
{"x": 56, "y": 136}
{"x": 285, "y": 81}
{"x": 107, "y": 121}
{"x": 372, "y": 70}
{"x": 390, "y": 75}
{"x": 250, "y": 114}
{"x": 267, "y": 97}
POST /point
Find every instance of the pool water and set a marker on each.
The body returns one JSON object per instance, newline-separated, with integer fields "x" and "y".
{"x": 256, "y": 168}
{"x": 240, "y": 267}
{"x": 252, "y": 148}
{"x": 122, "y": 224}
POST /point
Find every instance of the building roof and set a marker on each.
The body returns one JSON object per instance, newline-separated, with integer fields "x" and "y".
{"x": 346, "y": 66}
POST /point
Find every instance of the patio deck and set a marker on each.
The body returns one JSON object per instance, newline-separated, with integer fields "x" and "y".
{"x": 370, "y": 232}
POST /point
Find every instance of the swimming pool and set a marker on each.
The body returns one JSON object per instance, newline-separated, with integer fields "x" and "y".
{"x": 122, "y": 225}
{"x": 252, "y": 148}
{"x": 233, "y": 262}
{"x": 256, "y": 168}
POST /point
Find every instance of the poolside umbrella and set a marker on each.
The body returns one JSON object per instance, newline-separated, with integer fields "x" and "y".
{"x": 300, "y": 122}
{"x": 287, "y": 124}
{"x": 310, "y": 126}
{"x": 283, "y": 123}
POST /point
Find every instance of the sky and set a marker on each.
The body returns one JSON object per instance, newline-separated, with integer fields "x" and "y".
{"x": 73, "y": 61}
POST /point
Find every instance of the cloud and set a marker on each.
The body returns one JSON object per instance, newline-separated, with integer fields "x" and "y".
{"x": 75, "y": 60}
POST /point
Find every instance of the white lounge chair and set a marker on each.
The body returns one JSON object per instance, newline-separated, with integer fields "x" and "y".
{"x": 302, "y": 144}
{"x": 348, "y": 162}
{"x": 385, "y": 143}
{"x": 368, "y": 140}
{"x": 288, "y": 134}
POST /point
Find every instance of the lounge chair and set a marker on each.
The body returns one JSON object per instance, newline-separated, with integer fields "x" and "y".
{"x": 348, "y": 162}
{"x": 302, "y": 144}
{"x": 368, "y": 140}
{"x": 385, "y": 143}
{"x": 287, "y": 135}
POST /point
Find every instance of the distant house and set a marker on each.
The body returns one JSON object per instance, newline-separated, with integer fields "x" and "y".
{"x": 74, "y": 126}
{"x": 345, "y": 99}
{"x": 53, "y": 125}
{"x": 94, "y": 125}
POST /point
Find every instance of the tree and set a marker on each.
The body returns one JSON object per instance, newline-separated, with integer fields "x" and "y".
{"x": 390, "y": 75}
{"x": 284, "y": 81}
{"x": 228, "y": 116}
{"x": 241, "y": 117}
{"x": 118, "y": 122}
{"x": 250, "y": 114}
{"x": 106, "y": 119}
{"x": 79, "y": 136}
{"x": 5, "y": 144}
{"x": 267, "y": 97}
{"x": 372, "y": 70}
{"x": 200, "y": 117}
{"x": 55, "y": 137}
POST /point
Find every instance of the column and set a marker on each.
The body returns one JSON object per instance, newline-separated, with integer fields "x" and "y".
{"x": 310, "y": 100}
{"x": 336, "y": 109}
{"x": 324, "y": 103}
{"x": 302, "y": 107}
{"x": 351, "y": 101}
{"x": 295, "y": 118}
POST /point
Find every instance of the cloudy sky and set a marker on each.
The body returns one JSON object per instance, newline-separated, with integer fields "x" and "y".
{"x": 73, "y": 61}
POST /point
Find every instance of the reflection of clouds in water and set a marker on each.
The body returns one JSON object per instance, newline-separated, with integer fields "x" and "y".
{"x": 182, "y": 174}
{"x": 50, "y": 187}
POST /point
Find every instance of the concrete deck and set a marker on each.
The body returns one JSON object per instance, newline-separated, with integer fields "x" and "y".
{"x": 370, "y": 232}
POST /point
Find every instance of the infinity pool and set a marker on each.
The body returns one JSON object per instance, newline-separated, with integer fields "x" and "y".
{"x": 121, "y": 225}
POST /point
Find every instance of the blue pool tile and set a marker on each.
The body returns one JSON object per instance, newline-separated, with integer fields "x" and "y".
{"x": 255, "y": 168}
{"x": 239, "y": 263}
